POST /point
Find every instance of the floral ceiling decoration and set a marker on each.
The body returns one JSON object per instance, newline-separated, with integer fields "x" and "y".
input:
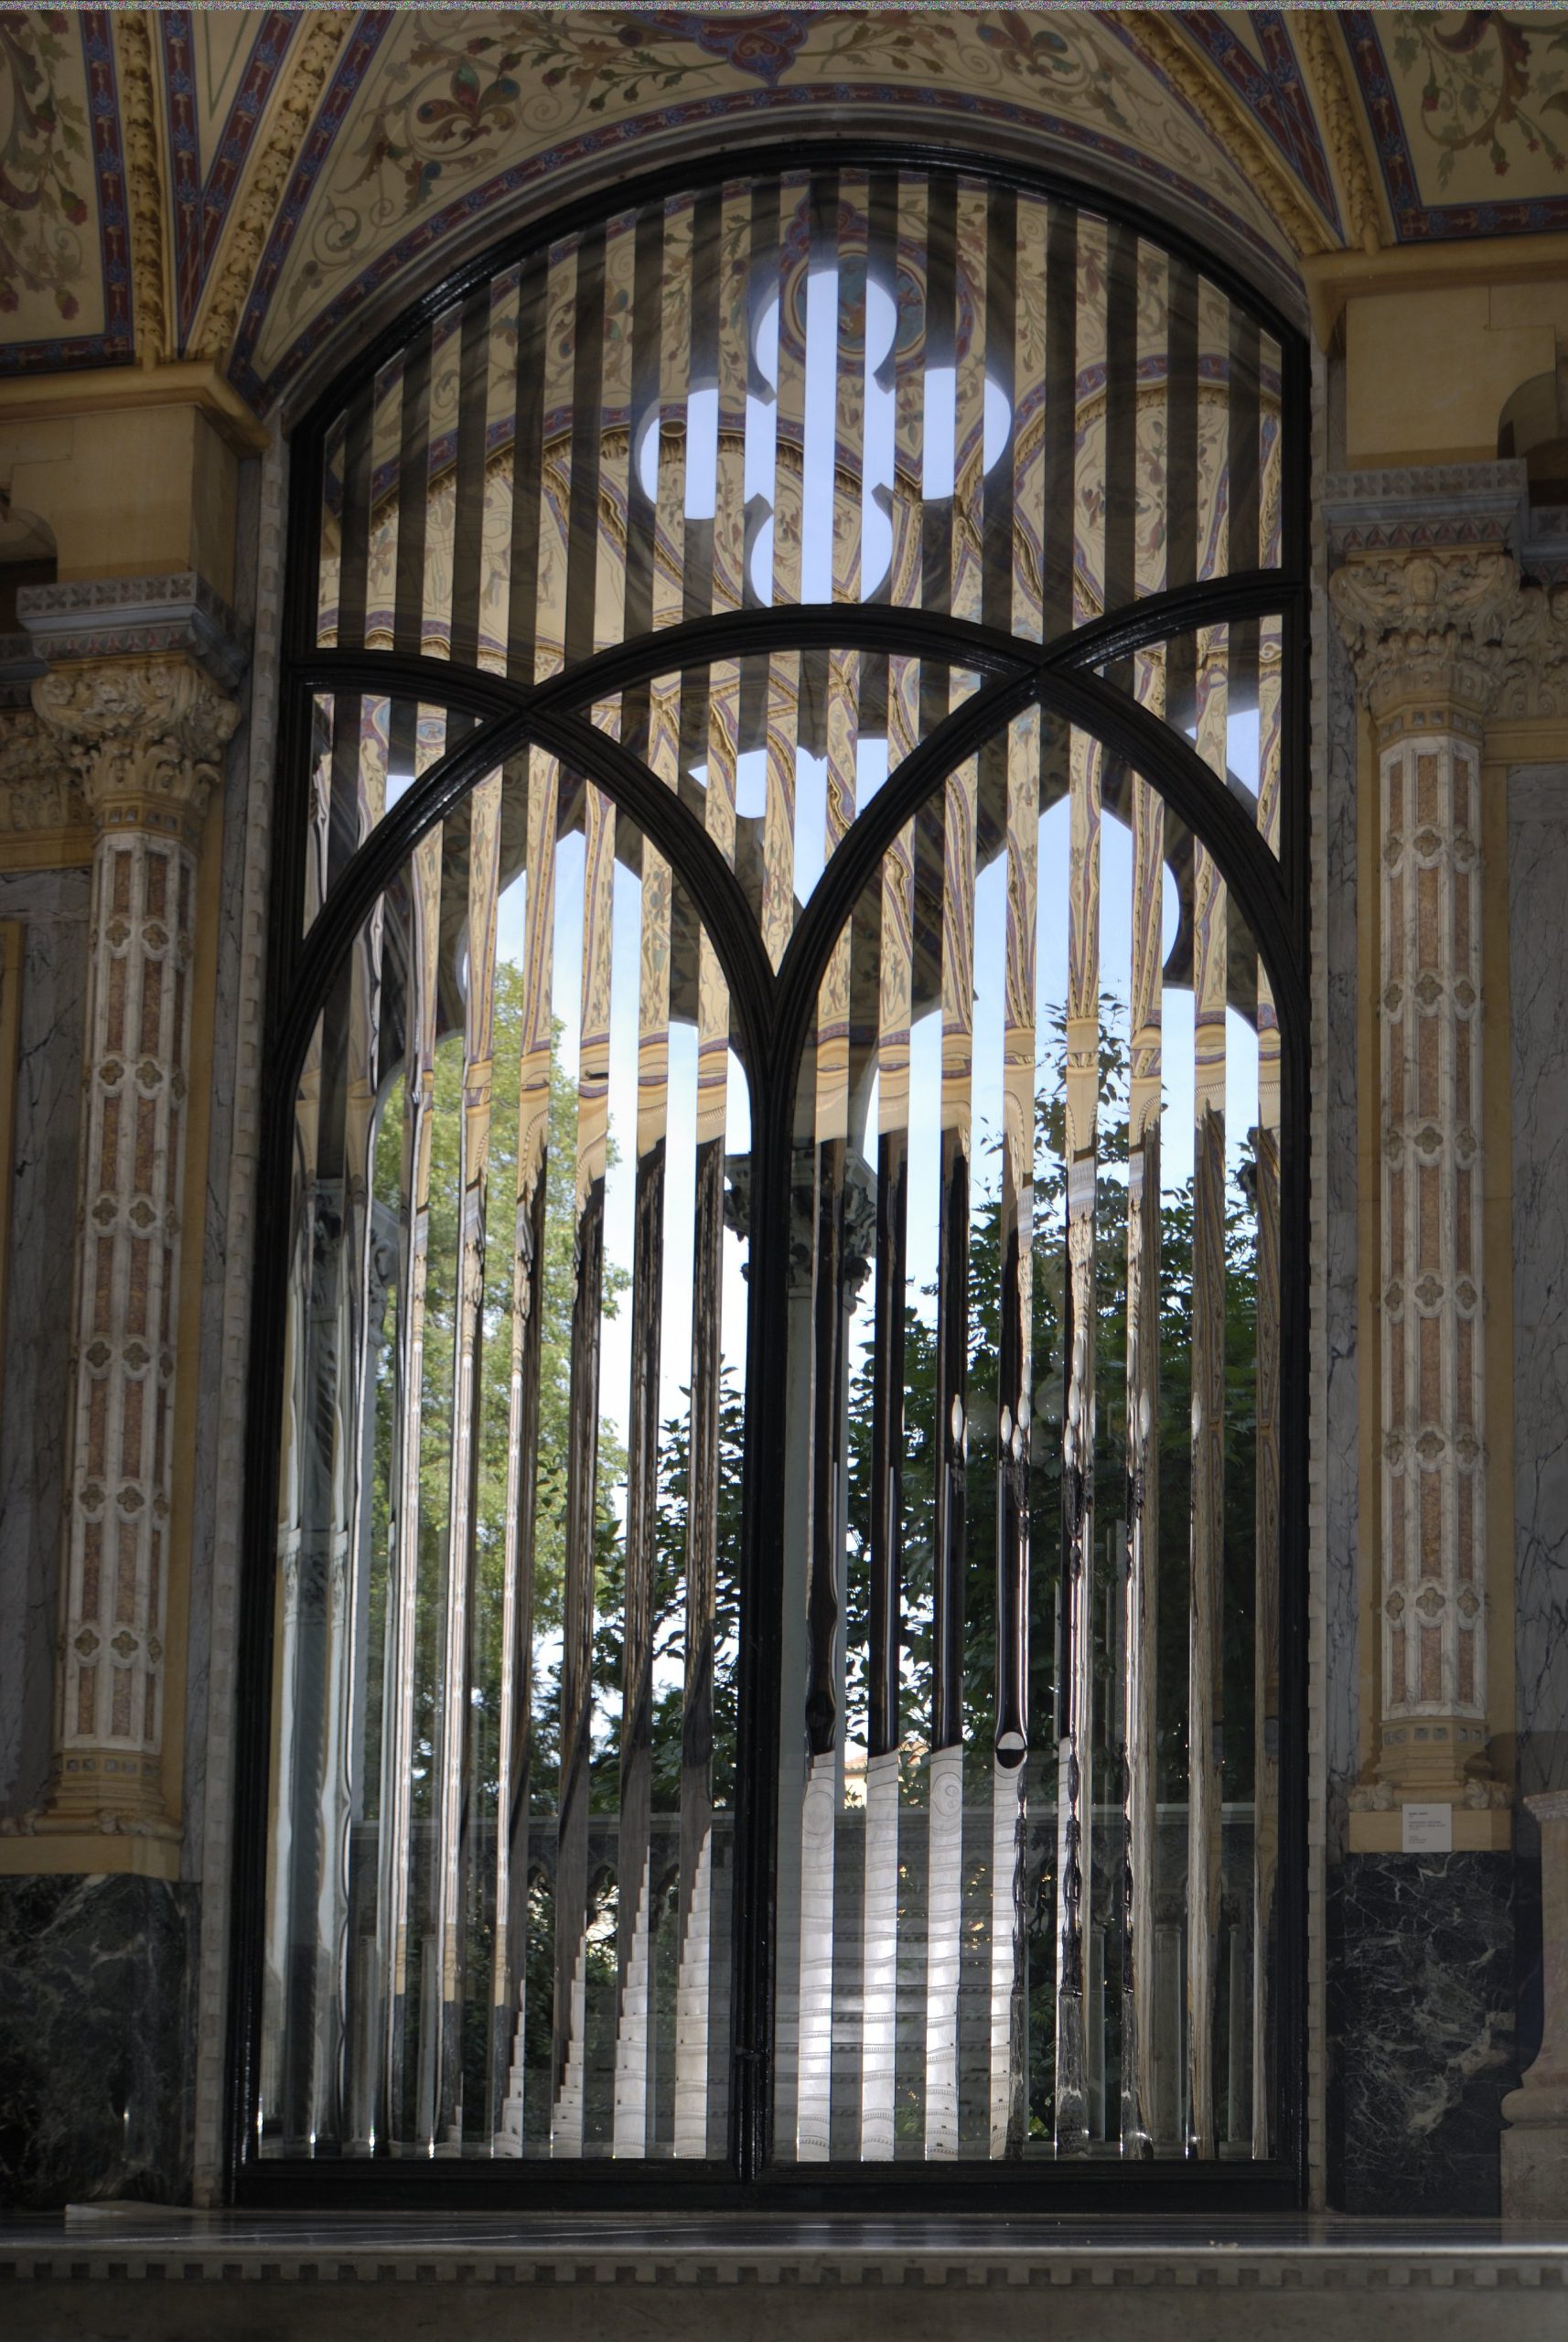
{"x": 1469, "y": 110}
{"x": 238, "y": 185}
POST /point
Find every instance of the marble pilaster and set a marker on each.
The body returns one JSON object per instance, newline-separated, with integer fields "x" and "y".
{"x": 1426, "y": 632}
{"x": 142, "y": 736}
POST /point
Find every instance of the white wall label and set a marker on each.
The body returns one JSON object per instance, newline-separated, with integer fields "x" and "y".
{"x": 1427, "y": 1829}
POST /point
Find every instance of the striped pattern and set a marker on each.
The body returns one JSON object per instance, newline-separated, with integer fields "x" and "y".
{"x": 502, "y": 1858}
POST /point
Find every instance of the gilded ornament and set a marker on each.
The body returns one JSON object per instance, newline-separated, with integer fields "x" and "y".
{"x": 245, "y": 237}
{"x": 1232, "y": 127}
{"x": 144, "y": 185}
{"x": 1343, "y": 121}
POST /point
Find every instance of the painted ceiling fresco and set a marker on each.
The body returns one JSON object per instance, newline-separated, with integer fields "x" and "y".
{"x": 234, "y": 184}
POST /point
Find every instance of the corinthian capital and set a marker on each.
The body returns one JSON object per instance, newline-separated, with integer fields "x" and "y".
{"x": 145, "y": 738}
{"x": 1428, "y": 631}
{"x": 37, "y": 789}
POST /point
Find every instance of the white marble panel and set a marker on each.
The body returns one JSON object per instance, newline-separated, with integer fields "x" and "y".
{"x": 33, "y": 1398}
{"x": 1538, "y": 980}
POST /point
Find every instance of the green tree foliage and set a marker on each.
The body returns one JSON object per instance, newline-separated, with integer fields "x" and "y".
{"x": 1110, "y": 1500}
{"x": 440, "y": 1333}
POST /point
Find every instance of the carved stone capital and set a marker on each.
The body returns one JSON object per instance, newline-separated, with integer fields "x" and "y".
{"x": 37, "y": 786}
{"x": 1429, "y": 631}
{"x": 144, "y": 736}
{"x": 1535, "y": 675}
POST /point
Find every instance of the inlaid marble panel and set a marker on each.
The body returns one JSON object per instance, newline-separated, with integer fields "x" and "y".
{"x": 42, "y": 1172}
{"x": 1421, "y": 2001}
{"x": 1538, "y": 980}
{"x": 97, "y": 1980}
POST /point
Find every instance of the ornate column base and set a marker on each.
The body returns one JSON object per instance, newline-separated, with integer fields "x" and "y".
{"x": 1480, "y": 1817}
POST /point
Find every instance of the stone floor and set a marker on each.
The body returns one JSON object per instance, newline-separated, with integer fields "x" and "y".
{"x": 111, "y": 2274}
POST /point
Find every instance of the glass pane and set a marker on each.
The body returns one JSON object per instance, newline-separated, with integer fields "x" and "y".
{"x": 1031, "y": 1502}
{"x": 505, "y": 1617}
{"x": 776, "y": 757}
{"x": 366, "y": 755}
{"x": 1219, "y": 688}
{"x": 855, "y": 385}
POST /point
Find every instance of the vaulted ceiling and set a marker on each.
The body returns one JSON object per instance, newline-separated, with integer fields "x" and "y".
{"x": 238, "y": 184}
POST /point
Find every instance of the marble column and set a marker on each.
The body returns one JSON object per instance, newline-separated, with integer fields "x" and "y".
{"x": 1426, "y": 633}
{"x": 143, "y": 737}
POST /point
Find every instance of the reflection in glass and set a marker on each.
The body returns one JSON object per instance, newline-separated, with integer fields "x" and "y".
{"x": 1029, "y": 1771}
{"x": 505, "y": 1622}
{"x": 1023, "y": 1887}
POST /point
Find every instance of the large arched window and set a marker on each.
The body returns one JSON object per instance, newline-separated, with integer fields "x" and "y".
{"x": 775, "y": 1618}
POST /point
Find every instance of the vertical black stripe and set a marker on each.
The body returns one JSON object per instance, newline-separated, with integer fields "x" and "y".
{"x": 1121, "y": 466}
{"x": 1243, "y": 548}
{"x": 354, "y": 544}
{"x": 950, "y": 1445}
{"x": 703, "y": 373}
{"x": 1181, "y": 427}
{"x": 888, "y": 1441}
{"x": 468, "y": 486}
{"x": 633, "y": 1919}
{"x": 587, "y": 440}
{"x": 941, "y": 296}
{"x": 882, "y": 270}
{"x": 1001, "y": 363}
{"x": 1181, "y": 485}
{"x": 1242, "y": 409}
{"x": 527, "y": 462}
{"x": 762, "y": 292}
{"x": 707, "y": 217}
{"x": 1057, "y": 465}
{"x": 641, "y": 509}
{"x": 413, "y": 492}
{"x": 1061, "y": 416}
{"x": 1121, "y": 418}
{"x": 827, "y": 1357}
{"x": 1012, "y": 1509}
{"x": 936, "y": 513}
{"x": 354, "y": 573}
{"x": 577, "y": 1626}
